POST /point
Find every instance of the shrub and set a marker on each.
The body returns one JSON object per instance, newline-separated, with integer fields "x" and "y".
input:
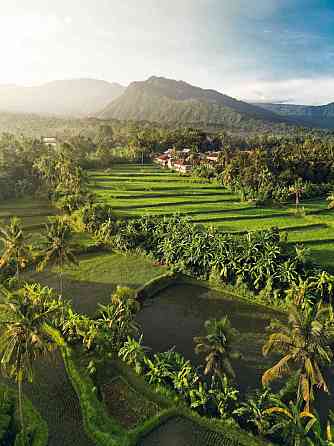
{"x": 94, "y": 215}
{"x": 252, "y": 259}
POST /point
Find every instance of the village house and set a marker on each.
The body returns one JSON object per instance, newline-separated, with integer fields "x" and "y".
{"x": 162, "y": 160}
{"x": 181, "y": 166}
{"x": 170, "y": 163}
{"x": 213, "y": 157}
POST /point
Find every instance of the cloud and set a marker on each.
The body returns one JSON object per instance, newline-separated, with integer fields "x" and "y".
{"x": 256, "y": 49}
{"x": 30, "y": 25}
{"x": 317, "y": 91}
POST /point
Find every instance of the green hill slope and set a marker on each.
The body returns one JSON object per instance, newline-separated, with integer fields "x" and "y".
{"x": 167, "y": 101}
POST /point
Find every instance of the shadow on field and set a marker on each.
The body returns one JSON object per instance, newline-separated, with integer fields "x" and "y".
{"x": 175, "y": 204}
{"x": 242, "y": 217}
{"x": 84, "y": 295}
{"x": 149, "y": 194}
{"x": 317, "y": 242}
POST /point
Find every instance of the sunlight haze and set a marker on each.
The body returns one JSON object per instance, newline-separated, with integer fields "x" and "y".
{"x": 258, "y": 50}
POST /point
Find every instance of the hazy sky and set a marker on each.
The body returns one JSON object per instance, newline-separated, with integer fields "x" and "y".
{"x": 280, "y": 50}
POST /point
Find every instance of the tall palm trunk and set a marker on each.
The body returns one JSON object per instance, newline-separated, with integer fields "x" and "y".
{"x": 61, "y": 276}
{"x": 17, "y": 266}
{"x": 61, "y": 284}
{"x": 297, "y": 199}
{"x": 17, "y": 271}
{"x": 20, "y": 397}
{"x": 21, "y": 408}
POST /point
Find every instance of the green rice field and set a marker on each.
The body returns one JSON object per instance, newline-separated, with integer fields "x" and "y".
{"x": 97, "y": 276}
{"x": 34, "y": 213}
{"x": 134, "y": 190}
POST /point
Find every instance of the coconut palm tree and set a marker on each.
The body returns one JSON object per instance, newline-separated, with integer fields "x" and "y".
{"x": 23, "y": 334}
{"x": 297, "y": 190}
{"x": 57, "y": 247}
{"x": 217, "y": 344}
{"x": 15, "y": 245}
{"x": 305, "y": 343}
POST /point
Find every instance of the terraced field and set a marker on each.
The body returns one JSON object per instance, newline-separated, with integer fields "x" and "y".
{"x": 33, "y": 213}
{"x": 134, "y": 190}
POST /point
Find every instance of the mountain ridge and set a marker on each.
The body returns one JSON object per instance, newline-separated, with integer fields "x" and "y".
{"x": 311, "y": 115}
{"x": 164, "y": 100}
{"x": 69, "y": 97}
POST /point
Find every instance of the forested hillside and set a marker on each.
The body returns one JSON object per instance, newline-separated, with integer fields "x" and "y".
{"x": 169, "y": 101}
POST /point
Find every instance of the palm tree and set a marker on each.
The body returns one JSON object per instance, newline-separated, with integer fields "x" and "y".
{"x": 23, "y": 334}
{"x": 126, "y": 296}
{"x": 15, "y": 245}
{"x": 294, "y": 425}
{"x": 304, "y": 341}
{"x": 297, "y": 190}
{"x": 218, "y": 346}
{"x": 57, "y": 247}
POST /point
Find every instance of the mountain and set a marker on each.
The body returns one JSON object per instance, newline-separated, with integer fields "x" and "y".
{"x": 75, "y": 97}
{"x": 168, "y": 101}
{"x": 309, "y": 115}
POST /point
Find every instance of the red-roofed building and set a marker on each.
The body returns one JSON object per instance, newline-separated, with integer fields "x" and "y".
{"x": 162, "y": 160}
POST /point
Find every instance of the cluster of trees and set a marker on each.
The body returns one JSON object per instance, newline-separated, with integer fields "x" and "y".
{"x": 17, "y": 174}
{"x": 18, "y": 253}
{"x": 277, "y": 173}
{"x": 260, "y": 260}
{"x": 29, "y": 167}
{"x": 261, "y": 167}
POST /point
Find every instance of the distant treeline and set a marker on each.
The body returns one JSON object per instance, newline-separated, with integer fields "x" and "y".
{"x": 251, "y": 163}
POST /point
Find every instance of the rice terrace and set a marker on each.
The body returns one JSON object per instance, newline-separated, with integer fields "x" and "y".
{"x": 134, "y": 190}
{"x": 167, "y": 246}
{"x": 149, "y": 191}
